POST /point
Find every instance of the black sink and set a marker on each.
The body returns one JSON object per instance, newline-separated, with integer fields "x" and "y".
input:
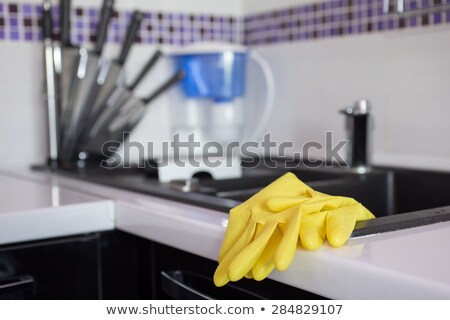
{"x": 399, "y": 198}
{"x": 392, "y": 191}
{"x": 384, "y": 191}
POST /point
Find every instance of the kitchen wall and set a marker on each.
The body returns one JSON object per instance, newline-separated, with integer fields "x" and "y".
{"x": 167, "y": 23}
{"x": 321, "y": 64}
{"x": 327, "y": 55}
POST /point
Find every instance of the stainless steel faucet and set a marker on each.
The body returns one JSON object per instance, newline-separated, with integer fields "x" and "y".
{"x": 357, "y": 123}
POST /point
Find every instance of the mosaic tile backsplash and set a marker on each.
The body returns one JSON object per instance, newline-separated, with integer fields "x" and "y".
{"x": 22, "y": 22}
{"x": 331, "y": 18}
{"x": 335, "y": 18}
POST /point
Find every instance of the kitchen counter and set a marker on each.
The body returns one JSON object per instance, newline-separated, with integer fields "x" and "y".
{"x": 30, "y": 211}
{"x": 406, "y": 264}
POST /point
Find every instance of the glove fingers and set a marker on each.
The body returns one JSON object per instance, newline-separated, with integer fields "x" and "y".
{"x": 265, "y": 264}
{"x": 313, "y": 230}
{"x": 340, "y": 224}
{"x": 287, "y": 185}
{"x": 237, "y": 223}
{"x": 247, "y": 258}
{"x": 288, "y": 244}
{"x": 221, "y": 274}
{"x": 259, "y": 228}
{"x": 322, "y": 202}
{"x": 239, "y": 226}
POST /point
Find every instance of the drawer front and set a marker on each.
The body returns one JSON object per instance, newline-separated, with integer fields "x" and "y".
{"x": 55, "y": 269}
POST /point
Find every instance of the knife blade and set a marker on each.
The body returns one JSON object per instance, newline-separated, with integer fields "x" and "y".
{"x": 110, "y": 71}
{"x": 50, "y": 85}
{"x": 118, "y": 98}
{"x": 68, "y": 58}
{"x": 84, "y": 79}
{"x": 129, "y": 115}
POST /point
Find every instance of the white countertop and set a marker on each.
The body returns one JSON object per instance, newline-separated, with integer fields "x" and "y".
{"x": 407, "y": 264}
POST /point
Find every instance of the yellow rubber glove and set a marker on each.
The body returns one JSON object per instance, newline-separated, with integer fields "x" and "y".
{"x": 263, "y": 232}
{"x": 323, "y": 215}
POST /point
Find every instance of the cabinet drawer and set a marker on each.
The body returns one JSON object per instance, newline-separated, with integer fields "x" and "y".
{"x": 65, "y": 268}
{"x": 182, "y": 275}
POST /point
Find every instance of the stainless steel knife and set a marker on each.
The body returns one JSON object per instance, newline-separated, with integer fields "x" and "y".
{"x": 118, "y": 98}
{"x": 109, "y": 73}
{"x": 66, "y": 60}
{"x": 129, "y": 115}
{"x": 84, "y": 78}
{"x": 50, "y": 85}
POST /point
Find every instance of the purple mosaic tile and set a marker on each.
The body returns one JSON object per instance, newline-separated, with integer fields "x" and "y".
{"x": 14, "y": 35}
{"x": 380, "y": 26}
{"x": 171, "y": 27}
{"x": 93, "y": 12}
{"x": 13, "y": 22}
{"x": 27, "y": 9}
{"x": 2, "y": 34}
{"x": 28, "y": 36}
{"x": 437, "y": 18}
{"x": 356, "y": 16}
{"x": 413, "y": 22}
{"x": 329, "y": 18}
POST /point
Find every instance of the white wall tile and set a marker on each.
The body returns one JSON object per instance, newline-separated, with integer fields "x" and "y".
{"x": 418, "y": 77}
{"x": 405, "y": 74}
{"x": 316, "y": 79}
{"x": 22, "y": 110}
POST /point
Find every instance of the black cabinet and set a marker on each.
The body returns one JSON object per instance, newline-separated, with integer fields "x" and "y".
{"x": 181, "y": 275}
{"x": 65, "y": 268}
{"x": 117, "y": 265}
{"x": 107, "y": 265}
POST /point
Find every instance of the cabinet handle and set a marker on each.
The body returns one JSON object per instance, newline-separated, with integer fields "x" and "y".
{"x": 186, "y": 285}
{"x": 21, "y": 287}
{"x": 173, "y": 285}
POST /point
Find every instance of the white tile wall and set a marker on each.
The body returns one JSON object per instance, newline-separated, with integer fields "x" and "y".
{"x": 418, "y": 75}
{"x": 22, "y": 112}
{"x": 22, "y": 109}
{"x": 405, "y": 74}
{"x": 316, "y": 79}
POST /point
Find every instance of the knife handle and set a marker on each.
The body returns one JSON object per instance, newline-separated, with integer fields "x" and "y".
{"x": 102, "y": 30}
{"x": 47, "y": 24}
{"x": 155, "y": 57}
{"x": 64, "y": 12}
{"x": 130, "y": 36}
{"x": 165, "y": 86}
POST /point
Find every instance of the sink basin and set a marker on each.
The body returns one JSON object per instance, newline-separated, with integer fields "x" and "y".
{"x": 255, "y": 179}
{"x": 393, "y": 191}
{"x": 384, "y": 191}
{"x": 399, "y": 198}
